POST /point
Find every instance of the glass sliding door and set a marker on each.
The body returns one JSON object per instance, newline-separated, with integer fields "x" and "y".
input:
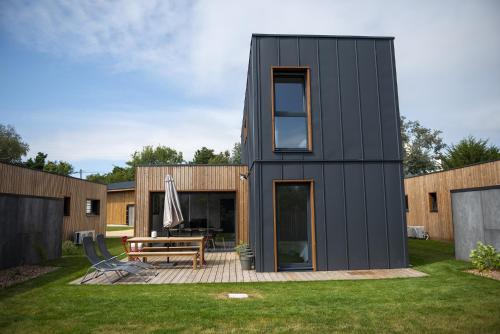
{"x": 293, "y": 226}
{"x": 212, "y": 214}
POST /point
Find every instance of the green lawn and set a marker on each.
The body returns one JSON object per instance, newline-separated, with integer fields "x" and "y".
{"x": 119, "y": 228}
{"x": 448, "y": 300}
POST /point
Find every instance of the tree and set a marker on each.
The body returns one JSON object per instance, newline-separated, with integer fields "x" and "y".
{"x": 236, "y": 153}
{"x": 118, "y": 174}
{"x": 159, "y": 155}
{"x": 12, "y": 147}
{"x": 203, "y": 156}
{"x": 221, "y": 158}
{"x": 422, "y": 148}
{"x": 149, "y": 155}
{"x": 57, "y": 167}
{"x": 470, "y": 151}
{"x": 38, "y": 162}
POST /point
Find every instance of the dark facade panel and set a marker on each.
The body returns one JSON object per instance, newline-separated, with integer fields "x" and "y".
{"x": 368, "y": 94}
{"x": 387, "y": 94}
{"x": 356, "y": 216}
{"x": 351, "y": 121}
{"x": 336, "y": 218}
{"x": 376, "y": 221}
{"x": 268, "y": 57}
{"x": 329, "y": 91}
{"x": 270, "y": 172}
{"x": 396, "y": 220}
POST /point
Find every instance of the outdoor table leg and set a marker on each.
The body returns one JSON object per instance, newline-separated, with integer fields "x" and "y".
{"x": 202, "y": 251}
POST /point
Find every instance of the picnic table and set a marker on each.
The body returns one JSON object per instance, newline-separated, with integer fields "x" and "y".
{"x": 199, "y": 240}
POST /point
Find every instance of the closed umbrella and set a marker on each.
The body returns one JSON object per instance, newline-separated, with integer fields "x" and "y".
{"x": 172, "y": 214}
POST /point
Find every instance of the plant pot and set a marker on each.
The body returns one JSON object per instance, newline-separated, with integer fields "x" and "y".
{"x": 246, "y": 262}
{"x": 245, "y": 252}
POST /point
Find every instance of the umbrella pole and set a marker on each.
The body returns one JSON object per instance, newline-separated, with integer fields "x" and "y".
{"x": 168, "y": 244}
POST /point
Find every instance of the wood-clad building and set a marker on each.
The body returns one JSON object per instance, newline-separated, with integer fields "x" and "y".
{"x": 211, "y": 196}
{"x": 428, "y": 197}
{"x": 120, "y": 203}
{"x": 83, "y": 202}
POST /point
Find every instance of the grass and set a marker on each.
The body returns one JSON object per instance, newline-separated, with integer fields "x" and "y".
{"x": 119, "y": 228}
{"x": 447, "y": 301}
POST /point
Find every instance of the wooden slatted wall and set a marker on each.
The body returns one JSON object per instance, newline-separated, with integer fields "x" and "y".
{"x": 439, "y": 224}
{"x": 192, "y": 178}
{"x": 116, "y": 203}
{"x": 24, "y": 181}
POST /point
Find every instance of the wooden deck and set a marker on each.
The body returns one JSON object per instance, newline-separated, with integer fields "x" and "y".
{"x": 224, "y": 267}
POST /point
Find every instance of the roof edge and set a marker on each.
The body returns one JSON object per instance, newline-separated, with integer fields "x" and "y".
{"x": 193, "y": 165}
{"x": 451, "y": 169}
{"x": 51, "y": 173}
{"x": 322, "y": 36}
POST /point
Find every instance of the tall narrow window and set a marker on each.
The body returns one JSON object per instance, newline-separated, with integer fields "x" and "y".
{"x": 433, "y": 204}
{"x": 406, "y": 204}
{"x": 293, "y": 218}
{"x": 67, "y": 206}
{"x": 291, "y": 109}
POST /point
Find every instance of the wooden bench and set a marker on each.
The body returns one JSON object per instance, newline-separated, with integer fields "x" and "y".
{"x": 167, "y": 249}
{"x": 145, "y": 255}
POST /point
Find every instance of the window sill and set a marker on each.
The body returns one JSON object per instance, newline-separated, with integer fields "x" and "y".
{"x": 92, "y": 215}
{"x": 433, "y": 211}
{"x": 291, "y": 150}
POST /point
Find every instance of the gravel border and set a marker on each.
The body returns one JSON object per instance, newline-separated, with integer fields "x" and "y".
{"x": 493, "y": 274}
{"x": 16, "y": 275}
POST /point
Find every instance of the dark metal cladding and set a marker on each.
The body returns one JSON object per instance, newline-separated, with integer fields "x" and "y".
{"x": 356, "y": 160}
{"x": 30, "y": 229}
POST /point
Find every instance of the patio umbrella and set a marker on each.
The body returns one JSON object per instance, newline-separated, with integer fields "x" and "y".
{"x": 172, "y": 214}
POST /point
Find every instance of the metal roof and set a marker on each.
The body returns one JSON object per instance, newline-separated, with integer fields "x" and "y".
{"x": 121, "y": 185}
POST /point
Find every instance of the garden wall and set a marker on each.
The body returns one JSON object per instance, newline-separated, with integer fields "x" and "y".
{"x": 30, "y": 229}
{"x": 476, "y": 217}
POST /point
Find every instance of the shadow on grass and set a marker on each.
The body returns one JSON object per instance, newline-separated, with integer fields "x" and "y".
{"x": 425, "y": 252}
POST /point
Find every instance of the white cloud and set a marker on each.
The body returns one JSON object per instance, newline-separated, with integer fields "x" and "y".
{"x": 112, "y": 135}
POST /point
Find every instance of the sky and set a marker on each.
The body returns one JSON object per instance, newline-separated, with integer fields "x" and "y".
{"x": 90, "y": 82}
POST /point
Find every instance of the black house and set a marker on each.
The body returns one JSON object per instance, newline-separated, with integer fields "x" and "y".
{"x": 321, "y": 139}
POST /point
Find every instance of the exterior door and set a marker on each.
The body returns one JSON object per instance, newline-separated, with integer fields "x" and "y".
{"x": 130, "y": 215}
{"x": 293, "y": 226}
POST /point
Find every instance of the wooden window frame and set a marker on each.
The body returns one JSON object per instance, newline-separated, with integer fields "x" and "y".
{"x": 431, "y": 209}
{"x": 307, "y": 72}
{"x": 313, "y": 220}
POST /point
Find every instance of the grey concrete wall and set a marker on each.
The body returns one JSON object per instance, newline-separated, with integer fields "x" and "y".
{"x": 476, "y": 217}
{"x": 29, "y": 226}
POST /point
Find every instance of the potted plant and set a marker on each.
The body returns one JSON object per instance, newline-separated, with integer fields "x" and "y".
{"x": 242, "y": 247}
{"x": 246, "y": 260}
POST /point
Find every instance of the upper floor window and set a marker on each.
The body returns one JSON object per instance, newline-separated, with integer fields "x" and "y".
{"x": 291, "y": 109}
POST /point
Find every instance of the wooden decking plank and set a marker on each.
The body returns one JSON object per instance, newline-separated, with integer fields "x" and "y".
{"x": 226, "y": 267}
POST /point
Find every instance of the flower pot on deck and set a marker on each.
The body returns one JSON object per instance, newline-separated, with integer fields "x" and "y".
{"x": 246, "y": 261}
